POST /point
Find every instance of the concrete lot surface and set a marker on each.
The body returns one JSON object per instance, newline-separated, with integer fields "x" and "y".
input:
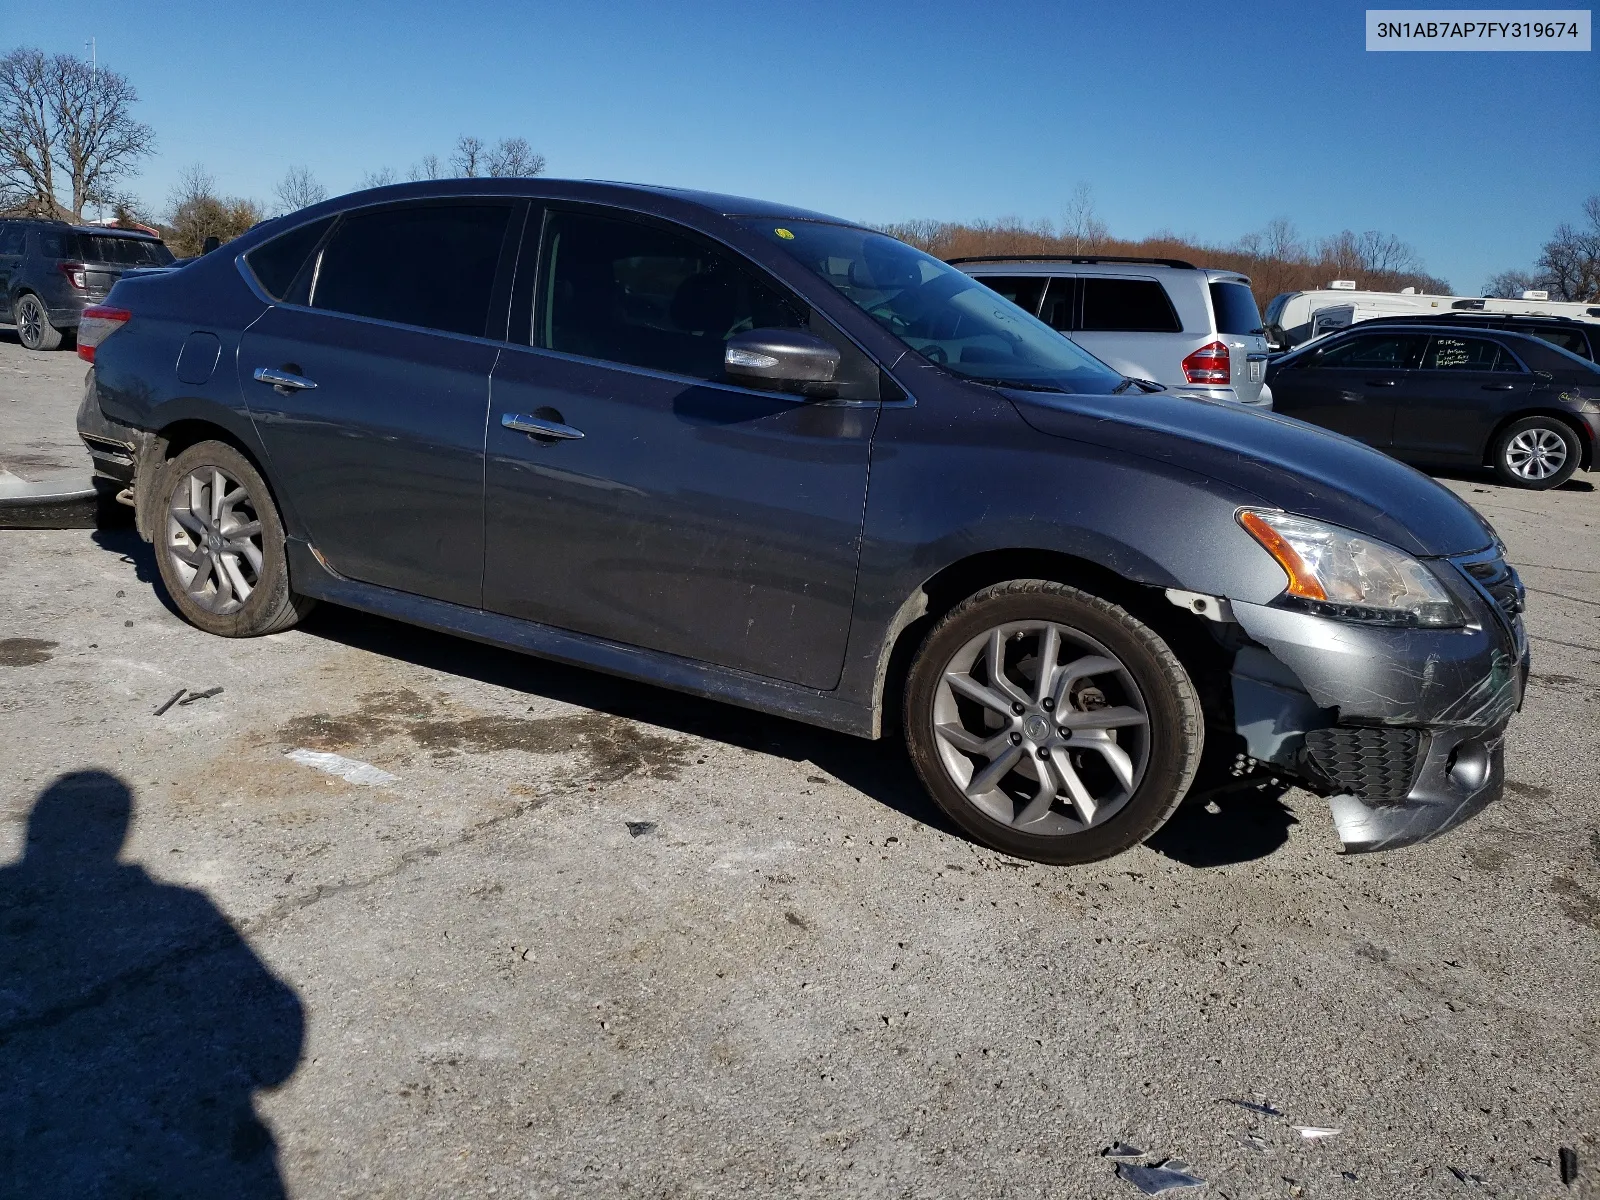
{"x": 594, "y": 939}
{"x": 39, "y": 395}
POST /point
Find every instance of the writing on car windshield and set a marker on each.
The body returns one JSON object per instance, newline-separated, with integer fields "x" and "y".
{"x": 948, "y": 317}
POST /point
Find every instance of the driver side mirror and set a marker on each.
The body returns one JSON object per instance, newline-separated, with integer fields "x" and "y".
{"x": 782, "y": 360}
{"x": 1277, "y": 340}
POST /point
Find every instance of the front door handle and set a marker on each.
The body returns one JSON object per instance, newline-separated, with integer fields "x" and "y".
{"x": 284, "y": 381}
{"x": 1380, "y": 383}
{"x": 1499, "y": 387}
{"x": 539, "y": 427}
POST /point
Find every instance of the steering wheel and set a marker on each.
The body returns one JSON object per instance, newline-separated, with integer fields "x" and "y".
{"x": 885, "y": 314}
{"x": 934, "y": 354}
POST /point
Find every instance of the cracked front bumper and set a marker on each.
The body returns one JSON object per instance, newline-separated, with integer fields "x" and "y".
{"x": 1402, "y": 729}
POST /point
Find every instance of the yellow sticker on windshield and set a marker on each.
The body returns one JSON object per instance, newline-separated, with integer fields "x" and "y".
{"x": 784, "y": 234}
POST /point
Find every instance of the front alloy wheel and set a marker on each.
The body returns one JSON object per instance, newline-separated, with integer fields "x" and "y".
{"x": 1050, "y": 723}
{"x": 1041, "y": 727}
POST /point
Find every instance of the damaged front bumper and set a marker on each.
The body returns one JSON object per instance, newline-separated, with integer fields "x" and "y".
{"x": 1401, "y": 729}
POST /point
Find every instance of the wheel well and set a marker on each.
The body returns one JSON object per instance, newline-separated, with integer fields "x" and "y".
{"x": 172, "y": 441}
{"x": 1184, "y": 632}
{"x": 1585, "y": 446}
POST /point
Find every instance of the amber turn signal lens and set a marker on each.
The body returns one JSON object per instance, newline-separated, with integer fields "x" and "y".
{"x": 1302, "y": 582}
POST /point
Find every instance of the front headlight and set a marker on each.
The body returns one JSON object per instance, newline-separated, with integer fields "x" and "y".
{"x": 1337, "y": 573}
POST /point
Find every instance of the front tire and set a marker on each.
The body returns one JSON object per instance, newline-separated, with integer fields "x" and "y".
{"x": 220, "y": 546}
{"x": 1536, "y": 453}
{"x": 1072, "y": 763}
{"x": 34, "y": 329}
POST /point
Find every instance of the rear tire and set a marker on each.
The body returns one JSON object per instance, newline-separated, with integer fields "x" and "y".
{"x": 220, "y": 546}
{"x": 1077, "y": 763}
{"x": 1536, "y": 453}
{"x": 34, "y": 329}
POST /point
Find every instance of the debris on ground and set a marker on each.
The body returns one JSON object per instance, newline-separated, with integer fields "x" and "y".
{"x": 1168, "y": 1176}
{"x": 205, "y": 695}
{"x": 1252, "y": 1141}
{"x": 171, "y": 700}
{"x": 1121, "y": 1150}
{"x": 1569, "y": 1165}
{"x": 351, "y": 770}
{"x": 1315, "y": 1133}
{"x": 1260, "y": 1106}
{"x": 1468, "y": 1177}
{"x": 640, "y": 828}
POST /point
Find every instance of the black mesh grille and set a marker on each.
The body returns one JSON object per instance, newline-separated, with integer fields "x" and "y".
{"x": 1375, "y": 764}
{"x": 1497, "y": 578}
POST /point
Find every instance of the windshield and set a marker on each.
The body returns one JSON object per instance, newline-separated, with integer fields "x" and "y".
{"x": 946, "y": 316}
{"x": 122, "y": 251}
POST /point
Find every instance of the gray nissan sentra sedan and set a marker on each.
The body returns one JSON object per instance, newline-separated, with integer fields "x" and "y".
{"x": 770, "y": 457}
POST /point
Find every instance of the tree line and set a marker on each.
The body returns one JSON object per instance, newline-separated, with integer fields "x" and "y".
{"x": 1568, "y": 266}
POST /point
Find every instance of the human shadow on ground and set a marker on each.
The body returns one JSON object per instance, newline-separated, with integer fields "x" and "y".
{"x": 135, "y": 1023}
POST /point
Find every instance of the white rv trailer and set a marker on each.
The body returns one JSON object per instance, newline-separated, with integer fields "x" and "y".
{"x": 1306, "y": 315}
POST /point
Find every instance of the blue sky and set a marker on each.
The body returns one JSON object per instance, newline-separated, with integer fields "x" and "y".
{"x": 1207, "y": 120}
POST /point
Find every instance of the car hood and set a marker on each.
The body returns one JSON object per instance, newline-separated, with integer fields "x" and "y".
{"x": 1286, "y": 463}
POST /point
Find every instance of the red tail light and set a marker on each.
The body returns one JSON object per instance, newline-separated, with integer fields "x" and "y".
{"x": 1209, "y": 364}
{"x": 99, "y": 321}
{"x": 75, "y": 273}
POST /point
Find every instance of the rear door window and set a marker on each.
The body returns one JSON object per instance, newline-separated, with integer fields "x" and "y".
{"x": 1127, "y": 306}
{"x": 431, "y": 265}
{"x": 1060, "y": 303}
{"x": 1395, "y": 352}
{"x": 13, "y": 238}
{"x": 1021, "y": 290}
{"x": 1235, "y": 306}
{"x": 1460, "y": 354}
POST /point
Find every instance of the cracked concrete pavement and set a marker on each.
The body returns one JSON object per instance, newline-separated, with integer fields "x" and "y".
{"x": 479, "y": 980}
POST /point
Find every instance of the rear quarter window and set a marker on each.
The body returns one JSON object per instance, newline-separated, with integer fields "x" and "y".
{"x": 277, "y": 264}
{"x": 1235, "y": 306}
{"x": 1127, "y": 306}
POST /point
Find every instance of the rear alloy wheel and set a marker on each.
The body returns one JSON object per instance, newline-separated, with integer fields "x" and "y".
{"x": 1051, "y": 724}
{"x": 33, "y": 324}
{"x": 219, "y": 545}
{"x": 1536, "y": 452}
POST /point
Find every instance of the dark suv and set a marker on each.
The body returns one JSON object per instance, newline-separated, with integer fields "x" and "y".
{"x": 51, "y": 271}
{"x": 774, "y": 458}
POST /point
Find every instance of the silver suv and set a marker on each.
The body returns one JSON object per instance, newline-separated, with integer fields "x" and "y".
{"x": 1195, "y": 330}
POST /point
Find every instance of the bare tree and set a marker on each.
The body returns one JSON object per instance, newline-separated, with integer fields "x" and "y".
{"x": 1509, "y": 285}
{"x": 382, "y": 177}
{"x": 197, "y": 212}
{"x": 1569, "y": 264}
{"x": 299, "y": 189}
{"x": 468, "y": 159}
{"x": 66, "y": 129}
{"x": 514, "y": 157}
{"x": 1081, "y": 227}
{"x": 428, "y": 168}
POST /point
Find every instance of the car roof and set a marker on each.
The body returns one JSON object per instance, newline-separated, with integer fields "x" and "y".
{"x": 1468, "y": 316}
{"x": 107, "y": 230}
{"x": 597, "y": 190}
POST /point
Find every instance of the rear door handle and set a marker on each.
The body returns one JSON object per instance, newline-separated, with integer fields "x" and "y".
{"x": 1380, "y": 383}
{"x": 283, "y": 380}
{"x": 538, "y": 426}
